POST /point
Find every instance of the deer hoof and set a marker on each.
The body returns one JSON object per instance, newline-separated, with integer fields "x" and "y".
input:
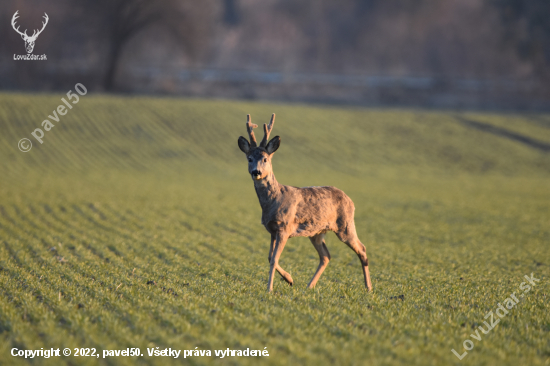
{"x": 288, "y": 280}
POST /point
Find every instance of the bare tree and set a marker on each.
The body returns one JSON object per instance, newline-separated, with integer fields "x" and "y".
{"x": 231, "y": 14}
{"x": 121, "y": 20}
{"x": 527, "y": 28}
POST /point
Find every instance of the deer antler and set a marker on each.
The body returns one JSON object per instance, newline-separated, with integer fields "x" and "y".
{"x": 249, "y": 127}
{"x": 13, "y": 19}
{"x": 267, "y": 131}
{"x": 35, "y": 35}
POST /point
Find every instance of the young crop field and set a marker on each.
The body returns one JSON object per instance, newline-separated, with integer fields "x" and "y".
{"x": 135, "y": 224}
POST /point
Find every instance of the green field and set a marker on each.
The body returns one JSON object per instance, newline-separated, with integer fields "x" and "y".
{"x": 136, "y": 224}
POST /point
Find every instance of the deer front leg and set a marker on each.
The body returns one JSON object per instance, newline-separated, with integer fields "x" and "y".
{"x": 285, "y": 275}
{"x": 279, "y": 245}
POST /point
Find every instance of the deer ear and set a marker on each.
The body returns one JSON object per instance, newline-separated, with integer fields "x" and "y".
{"x": 244, "y": 145}
{"x": 273, "y": 145}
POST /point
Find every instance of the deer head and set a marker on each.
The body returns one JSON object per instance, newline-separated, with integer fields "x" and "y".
{"x": 29, "y": 41}
{"x": 259, "y": 157}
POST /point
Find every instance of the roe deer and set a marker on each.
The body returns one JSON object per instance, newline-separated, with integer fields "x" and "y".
{"x": 291, "y": 211}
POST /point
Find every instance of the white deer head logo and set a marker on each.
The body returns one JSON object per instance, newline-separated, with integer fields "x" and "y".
{"x": 29, "y": 41}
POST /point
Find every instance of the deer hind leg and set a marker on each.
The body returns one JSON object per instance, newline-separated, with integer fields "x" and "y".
{"x": 355, "y": 244}
{"x": 318, "y": 242}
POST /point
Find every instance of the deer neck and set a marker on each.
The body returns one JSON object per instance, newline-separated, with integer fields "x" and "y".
{"x": 268, "y": 190}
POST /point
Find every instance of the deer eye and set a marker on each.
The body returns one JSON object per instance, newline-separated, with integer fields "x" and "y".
{"x": 265, "y": 160}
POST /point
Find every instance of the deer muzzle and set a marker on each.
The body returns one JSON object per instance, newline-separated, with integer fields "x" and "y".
{"x": 256, "y": 174}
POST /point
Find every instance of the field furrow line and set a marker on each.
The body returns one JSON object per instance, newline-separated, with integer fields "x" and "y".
{"x": 58, "y": 271}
